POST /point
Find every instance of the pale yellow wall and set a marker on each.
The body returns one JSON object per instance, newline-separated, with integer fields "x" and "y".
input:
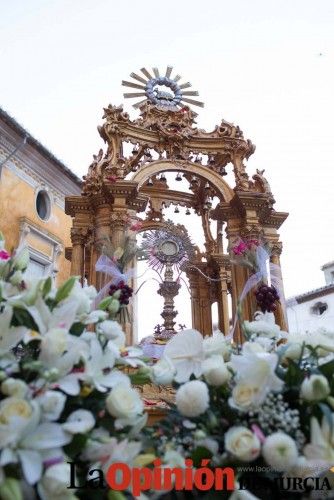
{"x": 17, "y": 199}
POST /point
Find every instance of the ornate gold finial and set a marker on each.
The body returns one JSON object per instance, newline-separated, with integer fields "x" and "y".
{"x": 161, "y": 90}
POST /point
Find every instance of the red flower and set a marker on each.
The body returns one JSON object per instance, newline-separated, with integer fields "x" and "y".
{"x": 112, "y": 178}
{"x": 4, "y": 255}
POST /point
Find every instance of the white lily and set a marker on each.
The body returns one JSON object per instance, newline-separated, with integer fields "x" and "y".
{"x": 62, "y": 352}
{"x": 217, "y": 344}
{"x": 321, "y": 446}
{"x": 131, "y": 356}
{"x": 99, "y": 367}
{"x": 10, "y": 336}
{"x": 62, "y": 316}
{"x": 79, "y": 421}
{"x": 105, "y": 450}
{"x": 186, "y": 352}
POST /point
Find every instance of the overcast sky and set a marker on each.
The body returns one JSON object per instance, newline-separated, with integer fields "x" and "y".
{"x": 266, "y": 65}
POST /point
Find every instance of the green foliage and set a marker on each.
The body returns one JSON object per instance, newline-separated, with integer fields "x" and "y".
{"x": 65, "y": 289}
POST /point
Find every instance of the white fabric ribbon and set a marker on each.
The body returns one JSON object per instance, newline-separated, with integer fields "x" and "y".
{"x": 109, "y": 268}
{"x": 274, "y": 277}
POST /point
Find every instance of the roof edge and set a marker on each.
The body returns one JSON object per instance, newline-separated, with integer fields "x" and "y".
{"x": 20, "y": 130}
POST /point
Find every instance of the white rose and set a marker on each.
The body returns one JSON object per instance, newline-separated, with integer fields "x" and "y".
{"x": 293, "y": 350}
{"x": 80, "y": 421}
{"x": 14, "y": 407}
{"x": 244, "y": 396}
{"x": 252, "y": 347}
{"x": 54, "y": 342}
{"x": 263, "y": 328}
{"x": 192, "y": 398}
{"x": 163, "y": 371}
{"x": 54, "y": 484}
{"x": 52, "y": 404}
{"x": 217, "y": 344}
{"x": 315, "y": 388}
{"x": 112, "y": 331}
{"x": 266, "y": 343}
{"x": 14, "y": 387}
{"x": 242, "y": 443}
{"x": 280, "y": 451}
{"x": 124, "y": 402}
{"x": 215, "y": 371}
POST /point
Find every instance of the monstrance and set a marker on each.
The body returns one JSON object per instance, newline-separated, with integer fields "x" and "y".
{"x": 166, "y": 251}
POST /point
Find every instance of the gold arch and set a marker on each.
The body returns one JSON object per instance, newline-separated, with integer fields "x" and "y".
{"x": 156, "y": 167}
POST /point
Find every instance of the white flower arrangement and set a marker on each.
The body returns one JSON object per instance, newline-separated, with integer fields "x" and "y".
{"x": 65, "y": 395}
{"x": 270, "y": 405}
{"x": 61, "y": 384}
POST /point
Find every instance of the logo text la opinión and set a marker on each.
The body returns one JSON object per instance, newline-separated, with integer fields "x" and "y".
{"x": 121, "y": 477}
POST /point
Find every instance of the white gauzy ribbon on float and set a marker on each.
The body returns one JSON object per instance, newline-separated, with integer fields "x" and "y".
{"x": 109, "y": 268}
{"x": 273, "y": 277}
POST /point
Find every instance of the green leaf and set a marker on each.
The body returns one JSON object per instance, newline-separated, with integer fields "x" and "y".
{"x": 21, "y": 317}
{"x": 140, "y": 378}
{"x": 47, "y": 287}
{"x": 77, "y": 329}
{"x": 105, "y": 303}
{"x": 115, "y": 495}
{"x": 327, "y": 369}
{"x": 10, "y": 489}
{"x": 294, "y": 375}
{"x": 76, "y": 445}
{"x": 64, "y": 291}
{"x": 199, "y": 454}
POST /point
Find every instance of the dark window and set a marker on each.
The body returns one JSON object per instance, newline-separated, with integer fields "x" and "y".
{"x": 43, "y": 205}
{"x": 319, "y": 308}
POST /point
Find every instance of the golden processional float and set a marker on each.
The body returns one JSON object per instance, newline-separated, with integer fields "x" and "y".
{"x": 128, "y": 178}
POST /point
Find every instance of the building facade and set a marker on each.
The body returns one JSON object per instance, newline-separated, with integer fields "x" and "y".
{"x": 314, "y": 309}
{"x": 33, "y": 186}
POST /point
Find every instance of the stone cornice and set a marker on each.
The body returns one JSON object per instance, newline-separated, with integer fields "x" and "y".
{"x": 77, "y": 204}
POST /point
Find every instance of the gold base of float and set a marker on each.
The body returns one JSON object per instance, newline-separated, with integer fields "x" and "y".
{"x": 157, "y": 401}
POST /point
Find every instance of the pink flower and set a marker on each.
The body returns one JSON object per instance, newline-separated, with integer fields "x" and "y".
{"x": 4, "y": 255}
{"x": 136, "y": 226}
{"x": 252, "y": 243}
{"x": 240, "y": 249}
{"x": 112, "y": 178}
{"x": 258, "y": 433}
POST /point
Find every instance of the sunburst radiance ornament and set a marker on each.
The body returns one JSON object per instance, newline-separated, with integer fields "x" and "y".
{"x": 167, "y": 247}
{"x": 161, "y": 90}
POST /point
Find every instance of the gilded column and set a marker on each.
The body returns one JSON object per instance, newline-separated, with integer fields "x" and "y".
{"x": 225, "y": 278}
{"x": 78, "y": 236}
{"x": 193, "y": 278}
{"x": 205, "y": 306}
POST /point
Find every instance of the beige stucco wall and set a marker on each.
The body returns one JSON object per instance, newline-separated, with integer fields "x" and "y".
{"x": 17, "y": 200}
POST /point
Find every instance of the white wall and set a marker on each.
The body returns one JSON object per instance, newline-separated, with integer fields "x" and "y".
{"x": 301, "y": 319}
